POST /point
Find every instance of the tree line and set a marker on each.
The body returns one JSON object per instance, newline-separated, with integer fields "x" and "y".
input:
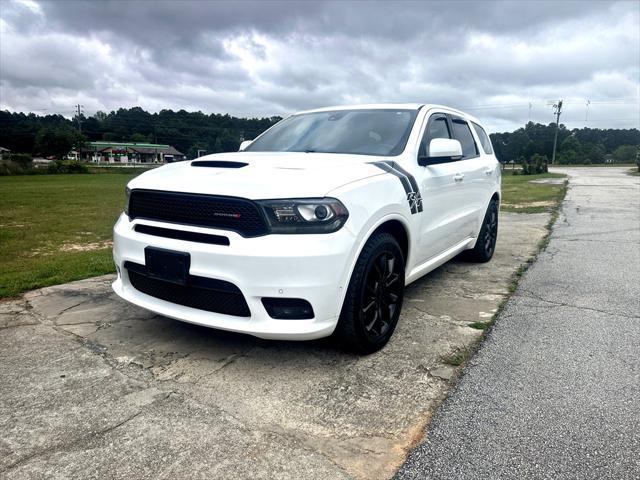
{"x": 189, "y": 132}
{"x": 580, "y": 145}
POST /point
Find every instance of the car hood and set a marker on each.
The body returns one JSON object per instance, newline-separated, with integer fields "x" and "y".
{"x": 265, "y": 175}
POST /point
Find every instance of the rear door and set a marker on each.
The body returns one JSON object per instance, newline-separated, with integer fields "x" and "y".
{"x": 490, "y": 165}
{"x": 470, "y": 179}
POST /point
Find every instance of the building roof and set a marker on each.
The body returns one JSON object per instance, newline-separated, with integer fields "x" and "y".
{"x": 136, "y": 147}
{"x": 166, "y": 149}
{"x": 104, "y": 144}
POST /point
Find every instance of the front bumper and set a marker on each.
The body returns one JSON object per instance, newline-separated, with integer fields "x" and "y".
{"x": 311, "y": 267}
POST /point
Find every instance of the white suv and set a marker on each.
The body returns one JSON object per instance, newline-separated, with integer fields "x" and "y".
{"x": 315, "y": 227}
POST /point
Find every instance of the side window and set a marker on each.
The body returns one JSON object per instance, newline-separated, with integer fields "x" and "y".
{"x": 436, "y": 128}
{"x": 484, "y": 138}
{"x": 462, "y": 133}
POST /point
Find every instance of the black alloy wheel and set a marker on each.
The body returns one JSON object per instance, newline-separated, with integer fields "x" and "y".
{"x": 374, "y": 297}
{"x": 381, "y": 294}
{"x": 488, "y": 236}
{"x": 491, "y": 229}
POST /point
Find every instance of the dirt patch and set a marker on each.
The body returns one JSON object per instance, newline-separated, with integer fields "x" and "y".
{"x": 543, "y": 203}
{"x": 13, "y": 225}
{"x": 85, "y": 247}
{"x": 548, "y": 181}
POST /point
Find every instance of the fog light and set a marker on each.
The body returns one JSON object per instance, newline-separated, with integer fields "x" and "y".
{"x": 288, "y": 308}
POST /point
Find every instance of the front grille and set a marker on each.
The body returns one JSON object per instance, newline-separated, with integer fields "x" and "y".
{"x": 208, "y": 294}
{"x": 228, "y": 213}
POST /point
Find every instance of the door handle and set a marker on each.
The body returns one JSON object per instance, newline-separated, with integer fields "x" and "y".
{"x": 488, "y": 172}
{"x": 458, "y": 177}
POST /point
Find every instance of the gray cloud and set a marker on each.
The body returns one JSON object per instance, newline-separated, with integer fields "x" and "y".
{"x": 264, "y": 58}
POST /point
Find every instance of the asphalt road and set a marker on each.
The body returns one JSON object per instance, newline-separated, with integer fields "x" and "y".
{"x": 554, "y": 392}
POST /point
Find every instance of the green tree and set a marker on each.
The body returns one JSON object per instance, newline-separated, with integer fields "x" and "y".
{"x": 593, "y": 153}
{"x": 138, "y": 138}
{"x": 568, "y": 152}
{"x": 57, "y": 142}
{"x": 625, "y": 154}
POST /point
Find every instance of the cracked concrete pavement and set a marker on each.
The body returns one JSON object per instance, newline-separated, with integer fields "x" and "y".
{"x": 554, "y": 391}
{"x": 92, "y": 387}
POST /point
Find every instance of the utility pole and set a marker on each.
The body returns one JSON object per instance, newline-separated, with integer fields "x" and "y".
{"x": 557, "y": 112}
{"x": 530, "y": 107}
{"x": 78, "y": 113}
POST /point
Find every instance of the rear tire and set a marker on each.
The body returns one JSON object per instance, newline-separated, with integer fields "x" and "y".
{"x": 486, "y": 243}
{"x": 374, "y": 297}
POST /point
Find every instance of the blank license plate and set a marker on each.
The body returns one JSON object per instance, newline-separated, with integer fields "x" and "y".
{"x": 167, "y": 264}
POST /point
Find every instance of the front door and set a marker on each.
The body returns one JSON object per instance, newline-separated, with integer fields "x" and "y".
{"x": 442, "y": 189}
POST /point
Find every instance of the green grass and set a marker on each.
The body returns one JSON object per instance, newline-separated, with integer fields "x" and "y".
{"x": 44, "y": 214}
{"x": 479, "y": 325}
{"x": 119, "y": 169}
{"x": 520, "y": 195}
{"x": 458, "y": 356}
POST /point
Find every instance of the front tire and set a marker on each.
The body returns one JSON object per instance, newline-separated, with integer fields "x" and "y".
{"x": 488, "y": 236}
{"x": 374, "y": 297}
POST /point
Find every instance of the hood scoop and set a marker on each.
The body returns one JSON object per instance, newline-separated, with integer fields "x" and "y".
{"x": 218, "y": 164}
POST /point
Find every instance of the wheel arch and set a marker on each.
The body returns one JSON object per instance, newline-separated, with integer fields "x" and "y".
{"x": 397, "y": 230}
{"x": 394, "y": 224}
{"x": 496, "y": 196}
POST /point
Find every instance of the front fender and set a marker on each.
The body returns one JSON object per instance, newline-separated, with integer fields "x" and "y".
{"x": 370, "y": 205}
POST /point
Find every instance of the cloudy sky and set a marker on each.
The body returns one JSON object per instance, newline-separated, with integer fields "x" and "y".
{"x": 502, "y": 61}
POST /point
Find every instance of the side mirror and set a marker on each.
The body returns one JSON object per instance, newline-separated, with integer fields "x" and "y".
{"x": 441, "y": 150}
{"x": 244, "y": 145}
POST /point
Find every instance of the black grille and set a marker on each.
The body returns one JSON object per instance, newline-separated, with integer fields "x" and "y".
{"x": 227, "y": 213}
{"x": 215, "y": 296}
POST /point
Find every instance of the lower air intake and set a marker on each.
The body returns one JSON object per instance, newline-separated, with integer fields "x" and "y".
{"x": 225, "y": 298}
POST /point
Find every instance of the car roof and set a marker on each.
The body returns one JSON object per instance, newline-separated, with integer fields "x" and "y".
{"x": 390, "y": 106}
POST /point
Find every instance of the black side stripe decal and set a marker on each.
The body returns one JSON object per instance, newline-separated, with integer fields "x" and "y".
{"x": 417, "y": 197}
{"x": 408, "y": 183}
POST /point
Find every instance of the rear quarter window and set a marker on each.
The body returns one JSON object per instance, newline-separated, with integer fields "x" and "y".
{"x": 484, "y": 138}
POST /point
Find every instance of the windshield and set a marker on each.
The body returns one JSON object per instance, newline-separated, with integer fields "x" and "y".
{"x": 364, "y": 132}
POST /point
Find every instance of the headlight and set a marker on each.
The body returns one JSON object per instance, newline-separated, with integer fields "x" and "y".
{"x": 305, "y": 215}
{"x": 127, "y": 193}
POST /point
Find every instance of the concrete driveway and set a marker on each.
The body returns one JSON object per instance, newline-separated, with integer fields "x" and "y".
{"x": 92, "y": 387}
